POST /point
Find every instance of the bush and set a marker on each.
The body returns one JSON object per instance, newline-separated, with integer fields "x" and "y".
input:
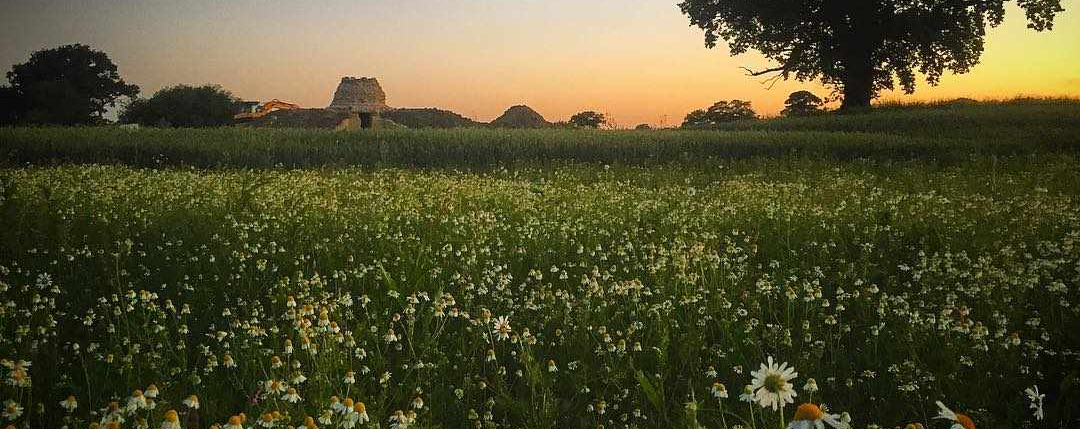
{"x": 588, "y": 119}
{"x": 183, "y": 106}
{"x": 803, "y": 103}
{"x": 721, "y": 112}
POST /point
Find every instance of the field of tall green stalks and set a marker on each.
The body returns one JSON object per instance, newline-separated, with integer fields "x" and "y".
{"x": 541, "y": 279}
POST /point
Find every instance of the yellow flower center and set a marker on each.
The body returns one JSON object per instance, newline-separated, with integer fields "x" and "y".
{"x": 171, "y": 416}
{"x": 235, "y": 420}
{"x": 808, "y": 412}
{"x": 774, "y": 383}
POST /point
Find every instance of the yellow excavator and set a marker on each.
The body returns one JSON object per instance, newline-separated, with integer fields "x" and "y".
{"x": 264, "y": 109}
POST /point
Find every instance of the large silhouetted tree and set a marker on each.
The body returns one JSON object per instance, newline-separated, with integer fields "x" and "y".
{"x": 68, "y": 85}
{"x": 860, "y": 46}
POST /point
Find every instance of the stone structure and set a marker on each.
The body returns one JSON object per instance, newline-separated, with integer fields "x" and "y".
{"x": 362, "y": 97}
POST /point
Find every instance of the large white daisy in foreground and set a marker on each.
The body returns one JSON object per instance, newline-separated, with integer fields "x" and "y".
{"x": 772, "y": 385}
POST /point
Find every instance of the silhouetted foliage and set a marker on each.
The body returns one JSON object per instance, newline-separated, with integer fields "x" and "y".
{"x": 68, "y": 85}
{"x": 183, "y": 106}
{"x": 722, "y": 111}
{"x": 588, "y": 119}
{"x": 860, "y": 47}
{"x": 803, "y": 103}
{"x": 643, "y": 127}
{"x": 10, "y": 105}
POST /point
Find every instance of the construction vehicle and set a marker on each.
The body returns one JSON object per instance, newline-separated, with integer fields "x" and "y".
{"x": 264, "y": 109}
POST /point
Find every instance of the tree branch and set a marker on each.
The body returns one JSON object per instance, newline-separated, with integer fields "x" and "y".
{"x": 750, "y": 72}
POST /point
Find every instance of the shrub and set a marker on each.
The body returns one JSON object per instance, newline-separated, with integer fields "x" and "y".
{"x": 183, "y": 106}
{"x": 721, "y": 112}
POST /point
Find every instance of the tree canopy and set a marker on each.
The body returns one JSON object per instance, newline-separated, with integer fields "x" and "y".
{"x": 588, "y": 119}
{"x": 183, "y": 106}
{"x": 803, "y": 103}
{"x": 68, "y": 85}
{"x": 860, "y": 47}
{"x": 720, "y": 112}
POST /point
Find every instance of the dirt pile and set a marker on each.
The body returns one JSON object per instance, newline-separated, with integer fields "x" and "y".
{"x": 429, "y": 118}
{"x": 520, "y": 116}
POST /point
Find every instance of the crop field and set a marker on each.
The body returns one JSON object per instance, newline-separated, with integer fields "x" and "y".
{"x": 545, "y": 279}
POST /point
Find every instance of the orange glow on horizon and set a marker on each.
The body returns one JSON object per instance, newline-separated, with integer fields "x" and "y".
{"x": 636, "y": 60}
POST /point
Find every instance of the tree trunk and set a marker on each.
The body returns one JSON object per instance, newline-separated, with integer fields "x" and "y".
{"x": 858, "y": 82}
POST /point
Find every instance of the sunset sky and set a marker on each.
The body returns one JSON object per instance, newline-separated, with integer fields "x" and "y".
{"x": 637, "y": 60}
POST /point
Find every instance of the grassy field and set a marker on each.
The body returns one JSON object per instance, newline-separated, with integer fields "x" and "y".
{"x": 541, "y": 279}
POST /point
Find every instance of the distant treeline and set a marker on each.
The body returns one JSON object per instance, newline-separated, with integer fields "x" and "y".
{"x": 931, "y": 134}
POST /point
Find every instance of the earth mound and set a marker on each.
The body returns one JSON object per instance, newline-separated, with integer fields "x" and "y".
{"x": 520, "y": 116}
{"x": 429, "y": 118}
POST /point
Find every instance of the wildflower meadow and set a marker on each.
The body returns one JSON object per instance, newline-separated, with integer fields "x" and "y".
{"x": 772, "y": 291}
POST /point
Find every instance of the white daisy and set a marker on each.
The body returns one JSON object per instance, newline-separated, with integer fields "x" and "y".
{"x": 137, "y": 401}
{"x": 292, "y": 396}
{"x": 69, "y": 404}
{"x": 810, "y": 416}
{"x": 171, "y": 421}
{"x": 361, "y": 411}
{"x": 235, "y": 422}
{"x": 747, "y": 394}
{"x": 1036, "y": 399}
{"x": 12, "y": 410}
{"x": 719, "y": 391}
{"x": 326, "y": 417}
{"x": 771, "y": 384}
{"x": 502, "y": 328}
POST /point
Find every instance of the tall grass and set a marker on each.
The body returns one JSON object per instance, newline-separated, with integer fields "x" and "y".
{"x": 945, "y": 135}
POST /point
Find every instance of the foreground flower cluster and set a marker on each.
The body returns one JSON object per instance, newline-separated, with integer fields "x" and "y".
{"x": 838, "y": 296}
